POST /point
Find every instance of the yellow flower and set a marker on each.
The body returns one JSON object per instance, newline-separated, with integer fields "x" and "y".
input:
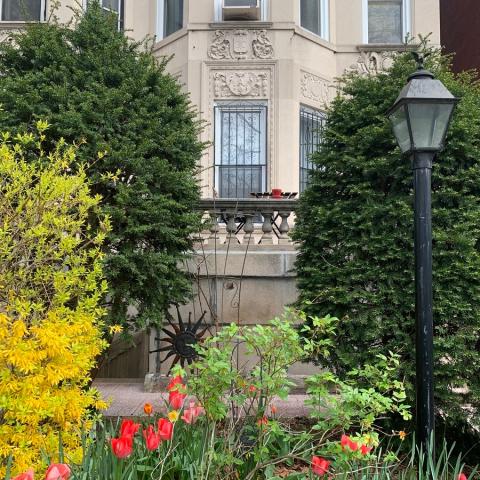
{"x": 115, "y": 329}
{"x": 173, "y": 416}
{"x": 402, "y": 435}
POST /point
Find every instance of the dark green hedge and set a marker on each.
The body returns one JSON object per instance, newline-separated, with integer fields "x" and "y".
{"x": 93, "y": 85}
{"x": 355, "y": 228}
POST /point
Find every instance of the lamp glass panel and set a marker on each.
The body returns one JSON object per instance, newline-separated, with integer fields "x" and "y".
{"x": 429, "y": 123}
{"x": 400, "y": 128}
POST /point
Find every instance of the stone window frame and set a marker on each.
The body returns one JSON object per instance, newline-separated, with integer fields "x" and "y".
{"x": 264, "y": 4}
{"x": 42, "y": 16}
{"x": 324, "y": 20}
{"x": 406, "y": 20}
{"x": 160, "y": 22}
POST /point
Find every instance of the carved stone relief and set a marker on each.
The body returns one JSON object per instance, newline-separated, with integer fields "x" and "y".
{"x": 235, "y": 83}
{"x": 316, "y": 88}
{"x": 240, "y": 45}
{"x": 371, "y": 63}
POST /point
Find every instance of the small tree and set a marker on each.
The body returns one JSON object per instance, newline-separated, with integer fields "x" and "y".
{"x": 355, "y": 228}
{"x": 50, "y": 319}
{"x": 92, "y": 84}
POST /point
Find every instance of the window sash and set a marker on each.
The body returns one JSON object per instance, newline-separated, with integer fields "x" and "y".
{"x": 314, "y": 17}
{"x": 219, "y": 11}
{"x": 396, "y": 29}
{"x": 169, "y": 17}
{"x": 240, "y": 149}
{"x": 13, "y": 10}
{"x": 312, "y": 123}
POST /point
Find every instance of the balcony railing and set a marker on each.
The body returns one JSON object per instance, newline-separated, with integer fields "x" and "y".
{"x": 245, "y": 221}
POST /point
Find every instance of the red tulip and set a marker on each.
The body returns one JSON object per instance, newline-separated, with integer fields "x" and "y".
{"x": 174, "y": 382}
{"x": 28, "y": 475}
{"x": 262, "y": 421}
{"x": 462, "y": 476}
{"x": 58, "y": 471}
{"x": 346, "y": 441}
{"x": 320, "y": 465}
{"x": 122, "y": 447}
{"x": 152, "y": 439}
{"x": 129, "y": 428}
{"x": 190, "y": 414}
{"x": 176, "y": 399}
{"x": 165, "y": 429}
{"x": 365, "y": 450}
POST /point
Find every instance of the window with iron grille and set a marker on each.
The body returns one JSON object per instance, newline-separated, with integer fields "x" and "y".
{"x": 311, "y": 127}
{"x": 240, "y": 149}
{"x": 22, "y": 10}
{"x": 385, "y": 21}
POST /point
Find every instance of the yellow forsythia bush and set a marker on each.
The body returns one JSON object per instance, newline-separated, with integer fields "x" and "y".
{"x": 51, "y": 284}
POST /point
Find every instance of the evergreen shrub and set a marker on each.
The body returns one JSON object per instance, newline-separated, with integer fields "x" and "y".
{"x": 355, "y": 231}
{"x": 100, "y": 89}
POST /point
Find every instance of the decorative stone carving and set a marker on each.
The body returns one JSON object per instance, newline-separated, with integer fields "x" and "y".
{"x": 261, "y": 45}
{"x": 241, "y": 45}
{"x": 220, "y": 47}
{"x": 316, "y": 88}
{"x": 372, "y": 63}
{"x": 235, "y": 83}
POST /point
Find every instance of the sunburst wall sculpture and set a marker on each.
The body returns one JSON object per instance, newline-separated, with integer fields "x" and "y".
{"x": 181, "y": 339}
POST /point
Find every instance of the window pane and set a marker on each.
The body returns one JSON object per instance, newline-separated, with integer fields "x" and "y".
{"x": 311, "y": 126}
{"x": 21, "y": 10}
{"x": 240, "y": 157}
{"x": 385, "y": 21}
{"x": 240, "y": 3}
{"x": 173, "y": 16}
{"x": 112, "y": 5}
{"x": 311, "y": 15}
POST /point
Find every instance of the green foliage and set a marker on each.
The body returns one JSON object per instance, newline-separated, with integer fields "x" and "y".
{"x": 99, "y": 89}
{"x": 355, "y": 230}
{"x": 51, "y": 286}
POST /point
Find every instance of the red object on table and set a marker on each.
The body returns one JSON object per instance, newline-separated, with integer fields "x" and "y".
{"x": 276, "y": 193}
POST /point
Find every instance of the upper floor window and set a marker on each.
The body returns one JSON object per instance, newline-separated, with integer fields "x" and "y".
{"x": 109, "y": 6}
{"x": 387, "y": 21}
{"x": 22, "y": 10}
{"x": 314, "y": 17}
{"x": 240, "y": 10}
{"x": 311, "y": 127}
{"x": 170, "y": 17}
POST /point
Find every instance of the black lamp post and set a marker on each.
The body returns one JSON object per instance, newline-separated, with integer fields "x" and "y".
{"x": 420, "y": 119}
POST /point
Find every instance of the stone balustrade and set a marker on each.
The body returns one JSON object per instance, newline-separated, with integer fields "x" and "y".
{"x": 247, "y": 221}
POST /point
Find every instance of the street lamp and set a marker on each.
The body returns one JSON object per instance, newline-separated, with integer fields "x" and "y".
{"x": 420, "y": 117}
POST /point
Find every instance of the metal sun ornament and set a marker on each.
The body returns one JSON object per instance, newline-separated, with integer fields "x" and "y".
{"x": 182, "y": 340}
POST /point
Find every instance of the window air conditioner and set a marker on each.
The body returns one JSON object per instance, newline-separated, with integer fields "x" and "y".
{"x": 241, "y": 10}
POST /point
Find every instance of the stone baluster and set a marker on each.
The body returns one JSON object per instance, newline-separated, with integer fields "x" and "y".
{"x": 284, "y": 228}
{"x": 213, "y": 227}
{"x": 231, "y": 228}
{"x": 267, "y": 229}
{"x": 248, "y": 229}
